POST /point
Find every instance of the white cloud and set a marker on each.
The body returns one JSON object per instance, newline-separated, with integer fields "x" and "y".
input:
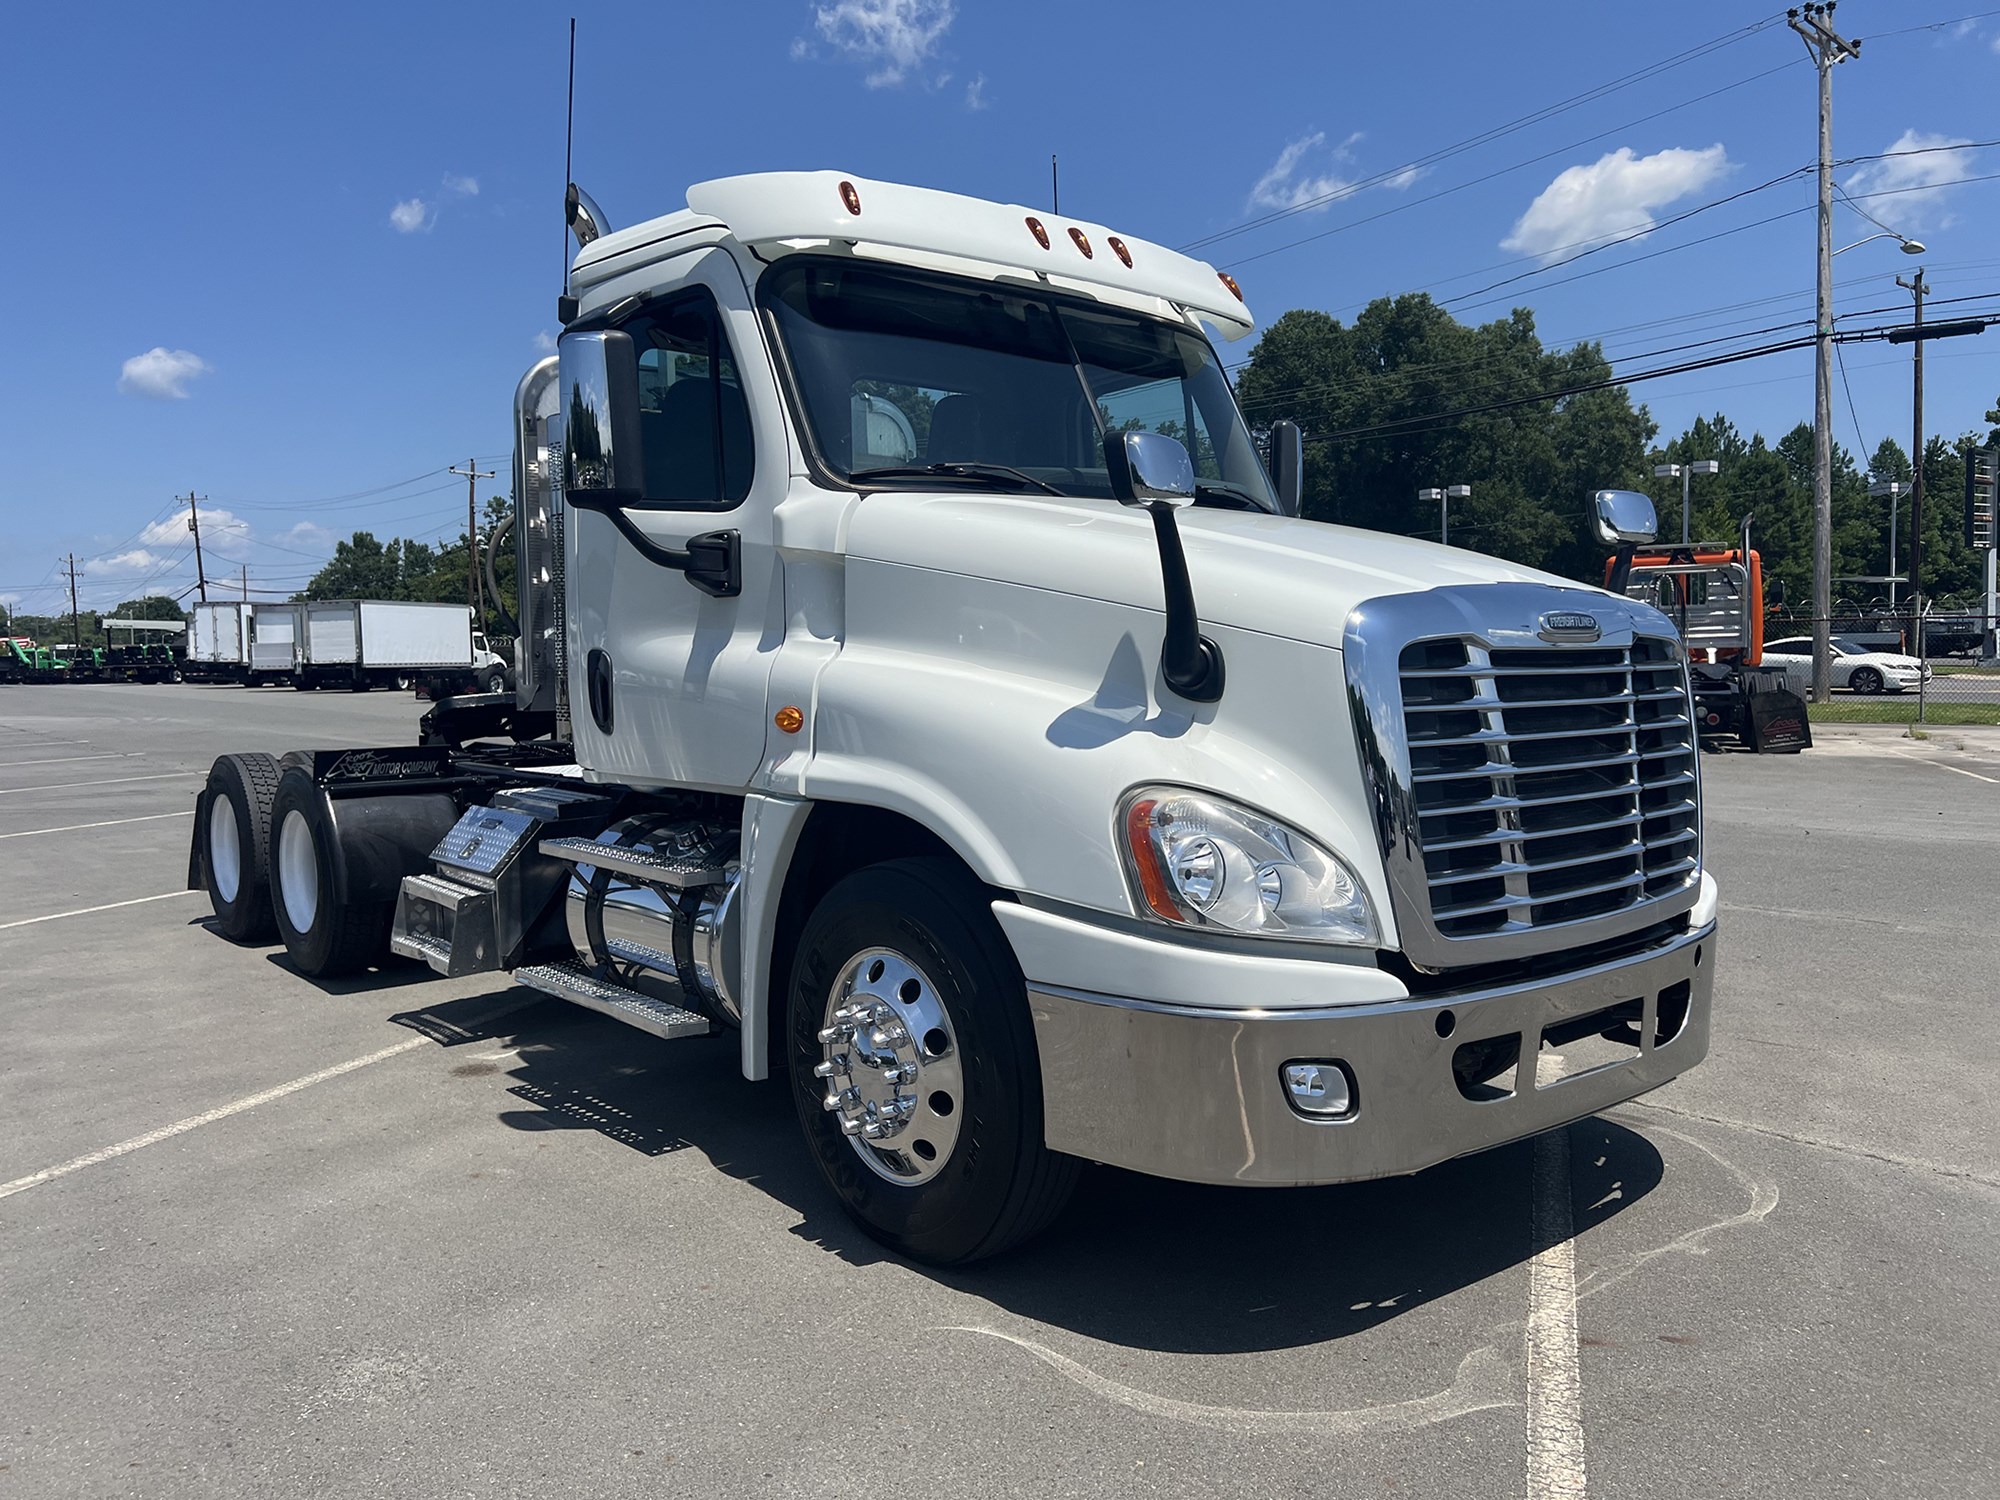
{"x": 1312, "y": 175}
{"x": 161, "y": 374}
{"x": 464, "y": 187}
{"x": 1612, "y": 198}
{"x": 138, "y": 560}
{"x": 310, "y": 534}
{"x": 891, "y": 38}
{"x": 223, "y": 533}
{"x": 545, "y": 342}
{"x": 1919, "y": 201}
{"x": 975, "y": 93}
{"x": 410, "y": 215}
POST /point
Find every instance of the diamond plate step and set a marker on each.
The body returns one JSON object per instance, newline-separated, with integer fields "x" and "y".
{"x": 572, "y": 981}
{"x": 677, "y": 870}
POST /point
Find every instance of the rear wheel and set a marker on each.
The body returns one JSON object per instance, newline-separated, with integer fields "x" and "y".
{"x": 324, "y": 936}
{"x": 1865, "y": 680}
{"x": 914, "y": 1068}
{"x": 235, "y": 841}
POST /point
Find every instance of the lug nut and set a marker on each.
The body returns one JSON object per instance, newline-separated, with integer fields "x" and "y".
{"x": 830, "y": 1067}
{"x": 849, "y": 1127}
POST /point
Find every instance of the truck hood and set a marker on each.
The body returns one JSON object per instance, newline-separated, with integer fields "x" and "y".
{"x": 1274, "y": 574}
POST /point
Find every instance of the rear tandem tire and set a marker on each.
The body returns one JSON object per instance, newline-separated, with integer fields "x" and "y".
{"x": 323, "y": 935}
{"x": 235, "y": 846}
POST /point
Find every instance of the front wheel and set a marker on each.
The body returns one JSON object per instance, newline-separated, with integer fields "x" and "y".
{"x": 1865, "y": 680}
{"x": 496, "y": 682}
{"x": 914, "y": 1068}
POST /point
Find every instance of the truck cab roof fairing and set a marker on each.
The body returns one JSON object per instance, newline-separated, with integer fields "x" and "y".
{"x": 771, "y": 207}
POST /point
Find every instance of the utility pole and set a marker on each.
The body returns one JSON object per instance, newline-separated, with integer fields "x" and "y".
{"x": 75, "y": 618}
{"x": 194, "y": 525}
{"x": 246, "y": 583}
{"x": 1814, "y": 24}
{"x": 1917, "y": 289}
{"x": 475, "y": 592}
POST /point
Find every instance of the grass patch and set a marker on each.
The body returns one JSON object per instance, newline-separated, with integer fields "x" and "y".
{"x": 1903, "y": 712}
{"x": 1962, "y": 669}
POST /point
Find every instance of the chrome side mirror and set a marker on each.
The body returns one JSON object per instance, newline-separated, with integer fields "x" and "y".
{"x": 1624, "y": 518}
{"x": 602, "y": 457}
{"x": 1148, "y": 469}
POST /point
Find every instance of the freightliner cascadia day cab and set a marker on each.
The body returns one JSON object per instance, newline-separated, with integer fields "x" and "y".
{"x": 923, "y": 678}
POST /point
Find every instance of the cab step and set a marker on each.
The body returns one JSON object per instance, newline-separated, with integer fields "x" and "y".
{"x": 680, "y": 871}
{"x": 573, "y": 981}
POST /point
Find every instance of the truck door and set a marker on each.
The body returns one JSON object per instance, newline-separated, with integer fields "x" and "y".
{"x": 667, "y": 682}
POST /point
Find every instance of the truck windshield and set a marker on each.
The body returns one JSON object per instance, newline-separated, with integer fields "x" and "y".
{"x": 912, "y": 379}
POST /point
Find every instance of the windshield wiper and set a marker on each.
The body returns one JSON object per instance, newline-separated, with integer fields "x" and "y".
{"x": 992, "y": 473}
{"x": 1209, "y": 489}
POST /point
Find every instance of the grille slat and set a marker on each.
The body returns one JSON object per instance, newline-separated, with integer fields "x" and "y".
{"x": 1579, "y": 801}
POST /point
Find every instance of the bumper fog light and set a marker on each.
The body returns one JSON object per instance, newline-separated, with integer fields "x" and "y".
{"x": 1320, "y": 1089}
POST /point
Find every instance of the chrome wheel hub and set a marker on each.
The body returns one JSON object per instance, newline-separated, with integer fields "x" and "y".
{"x": 890, "y": 1061}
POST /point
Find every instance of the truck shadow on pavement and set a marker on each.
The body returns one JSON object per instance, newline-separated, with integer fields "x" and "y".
{"x": 1134, "y": 1260}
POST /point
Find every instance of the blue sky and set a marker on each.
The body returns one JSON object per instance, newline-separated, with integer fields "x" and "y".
{"x": 294, "y": 258}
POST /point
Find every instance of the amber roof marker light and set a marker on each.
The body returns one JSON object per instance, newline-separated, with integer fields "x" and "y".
{"x": 1039, "y": 231}
{"x": 1082, "y": 242}
{"x": 1118, "y": 249}
{"x": 1230, "y": 281}
{"x": 851, "y": 196}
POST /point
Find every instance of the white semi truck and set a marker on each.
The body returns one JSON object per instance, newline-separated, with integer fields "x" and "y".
{"x": 1018, "y": 777}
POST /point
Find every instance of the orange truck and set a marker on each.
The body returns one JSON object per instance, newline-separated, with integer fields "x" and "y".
{"x": 1715, "y": 593}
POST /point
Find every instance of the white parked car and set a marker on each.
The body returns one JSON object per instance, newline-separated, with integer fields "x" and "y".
{"x": 1855, "y": 667}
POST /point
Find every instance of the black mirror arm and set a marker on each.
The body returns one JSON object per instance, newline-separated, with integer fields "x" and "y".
{"x": 1190, "y": 662}
{"x": 1621, "y": 568}
{"x": 713, "y": 561}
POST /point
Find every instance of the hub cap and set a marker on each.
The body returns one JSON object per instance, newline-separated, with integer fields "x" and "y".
{"x": 298, "y": 872}
{"x": 891, "y": 1067}
{"x": 225, "y": 849}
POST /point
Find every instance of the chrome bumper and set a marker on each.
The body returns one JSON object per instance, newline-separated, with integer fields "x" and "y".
{"x": 1198, "y": 1094}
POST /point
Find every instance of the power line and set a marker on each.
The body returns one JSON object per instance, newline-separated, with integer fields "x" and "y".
{"x": 1458, "y": 148}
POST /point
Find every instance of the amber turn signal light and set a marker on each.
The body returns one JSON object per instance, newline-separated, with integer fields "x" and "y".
{"x": 789, "y": 719}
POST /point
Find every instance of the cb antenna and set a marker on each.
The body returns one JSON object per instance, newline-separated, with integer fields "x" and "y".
{"x": 569, "y": 141}
{"x": 1055, "y": 185}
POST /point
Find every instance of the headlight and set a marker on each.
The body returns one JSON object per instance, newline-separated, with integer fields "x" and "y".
{"x": 1199, "y": 861}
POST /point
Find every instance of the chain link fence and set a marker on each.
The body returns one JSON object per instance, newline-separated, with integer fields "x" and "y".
{"x": 1880, "y": 676}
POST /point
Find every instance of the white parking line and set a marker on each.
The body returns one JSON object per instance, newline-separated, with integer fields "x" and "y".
{"x": 64, "y": 786}
{"x": 28, "y": 833}
{"x": 195, "y": 1122}
{"x": 67, "y": 760}
{"x": 1555, "y": 1384}
{"x": 1941, "y": 766}
{"x": 84, "y": 911}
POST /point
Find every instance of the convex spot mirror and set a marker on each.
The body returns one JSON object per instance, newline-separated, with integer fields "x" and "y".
{"x": 1148, "y": 469}
{"x": 1623, "y": 517}
{"x": 602, "y": 457}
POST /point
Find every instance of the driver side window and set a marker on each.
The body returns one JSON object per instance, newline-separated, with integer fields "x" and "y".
{"x": 692, "y": 410}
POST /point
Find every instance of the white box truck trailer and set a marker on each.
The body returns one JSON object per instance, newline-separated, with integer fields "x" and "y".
{"x": 1019, "y": 786}
{"x": 275, "y": 630}
{"x": 218, "y": 648}
{"x": 364, "y": 643}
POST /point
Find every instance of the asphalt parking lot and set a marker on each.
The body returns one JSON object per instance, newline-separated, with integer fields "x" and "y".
{"x": 414, "y": 1237}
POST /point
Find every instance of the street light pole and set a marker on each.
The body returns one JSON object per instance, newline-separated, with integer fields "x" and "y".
{"x": 1827, "y": 47}
{"x": 1917, "y": 288}
{"x": 1685, "y": 474}
{"x": 1444, "y": 497}
{"x": 1893, "y": 488}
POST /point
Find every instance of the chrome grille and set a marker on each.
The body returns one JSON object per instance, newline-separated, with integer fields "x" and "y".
{"x": 1552, "y": 785}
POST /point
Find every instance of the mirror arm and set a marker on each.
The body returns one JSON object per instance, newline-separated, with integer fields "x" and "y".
{"x": 713, "y": 561}
{"x": 1190, "y": 662}
{"x": 1621, "y": 567}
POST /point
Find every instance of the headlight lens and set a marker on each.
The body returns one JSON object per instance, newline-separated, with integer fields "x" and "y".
{"x": 1200, "y": 861}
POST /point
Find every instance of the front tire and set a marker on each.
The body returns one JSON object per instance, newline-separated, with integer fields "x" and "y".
{"x": 324, "y": 936}
{"x": 1865, "y": 680}
{"x": 235, "y": 844}
{"x": 496, "y": 682}
{"x": 914, "y": 1068}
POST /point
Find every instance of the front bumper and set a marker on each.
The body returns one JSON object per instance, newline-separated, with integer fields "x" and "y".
{"x": 1197, "y": 1093}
